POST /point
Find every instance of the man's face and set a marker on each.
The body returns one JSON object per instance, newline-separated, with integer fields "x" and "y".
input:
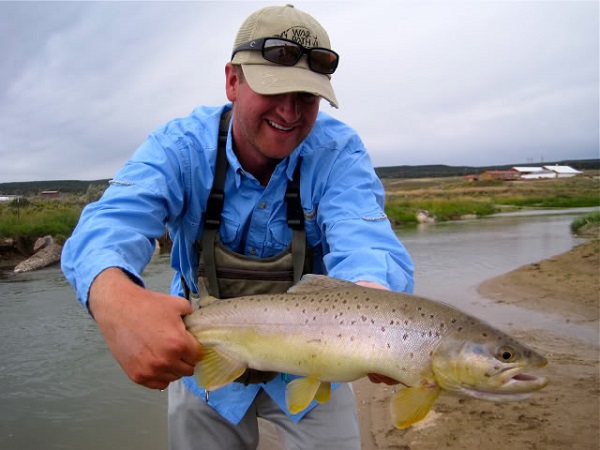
{"x": 268, "y": 127}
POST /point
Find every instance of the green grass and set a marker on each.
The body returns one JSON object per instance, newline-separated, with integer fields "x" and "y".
{"x": 39, "y": 218}
{"x": 587, "y": 222}
{"x": 452, "y": 198}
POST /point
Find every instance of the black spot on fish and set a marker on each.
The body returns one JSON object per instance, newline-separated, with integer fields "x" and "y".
{"x": 392, "y": 322}
{"x": 388, "y": 345}
{"x": 484, "y": 334}
{"x": 405, "y": 337}
{"x": 412, "y": 355}
{"x": 382, "y": 328}
{"x": 363, "y": 318}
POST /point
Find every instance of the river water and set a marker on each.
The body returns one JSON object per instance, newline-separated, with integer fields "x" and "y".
{"x": 61, "y": 389}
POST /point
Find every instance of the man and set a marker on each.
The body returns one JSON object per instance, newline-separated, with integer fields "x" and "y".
{"x": 275, "y": 139}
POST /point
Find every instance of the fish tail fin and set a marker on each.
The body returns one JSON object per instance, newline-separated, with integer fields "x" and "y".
{"x": 412, "y": 404}
{"x": 300, "y": 392}
{"x": 215, "y": 369}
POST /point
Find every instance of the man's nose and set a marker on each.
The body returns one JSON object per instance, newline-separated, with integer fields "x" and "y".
{"x": 288, "y": 106}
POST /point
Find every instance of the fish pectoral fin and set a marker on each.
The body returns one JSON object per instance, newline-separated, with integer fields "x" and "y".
{"x": 300, "y": 392}
{"x": 217, "y": 369}
{"x": 323, "y": 394}
{"x": 412, "y": 404}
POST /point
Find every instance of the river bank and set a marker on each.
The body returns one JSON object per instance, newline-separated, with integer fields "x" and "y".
{"x": 563, "y": 415}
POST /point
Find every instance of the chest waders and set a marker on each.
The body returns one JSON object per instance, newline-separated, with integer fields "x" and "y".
{"x": 223, "y": 273}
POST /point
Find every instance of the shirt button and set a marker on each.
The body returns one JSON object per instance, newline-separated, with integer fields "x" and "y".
{"x": 253, "y": 251}
{"x": 262, "y": 205}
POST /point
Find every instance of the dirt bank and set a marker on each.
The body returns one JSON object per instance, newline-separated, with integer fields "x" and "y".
{"x": 563, "y": 415}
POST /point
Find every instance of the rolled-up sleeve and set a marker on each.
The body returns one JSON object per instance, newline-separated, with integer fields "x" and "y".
{"x": 120, "y": 229}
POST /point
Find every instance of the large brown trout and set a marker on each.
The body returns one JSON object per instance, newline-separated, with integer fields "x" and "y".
{"x": 329, "y": 330}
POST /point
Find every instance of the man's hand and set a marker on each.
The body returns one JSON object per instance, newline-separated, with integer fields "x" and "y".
{"x": 372, "y": 284}
{"x": 144, "y": 330}
{"x": 377, "y": 378}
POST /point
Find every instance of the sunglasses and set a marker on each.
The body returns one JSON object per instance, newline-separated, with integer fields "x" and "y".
{"x": 288, "y": 53}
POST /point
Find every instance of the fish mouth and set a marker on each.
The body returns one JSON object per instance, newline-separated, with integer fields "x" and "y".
{"x": 511, "y": 384}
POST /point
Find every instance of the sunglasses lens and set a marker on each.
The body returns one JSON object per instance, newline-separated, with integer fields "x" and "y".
{"x": 281, "y": 52}
{"x": 323, "y": 61}
{"x": 288, "y": 53}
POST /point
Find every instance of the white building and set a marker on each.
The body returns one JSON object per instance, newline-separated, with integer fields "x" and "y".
{"x": 563, "y": 171}
{"x": 536, "y": 173}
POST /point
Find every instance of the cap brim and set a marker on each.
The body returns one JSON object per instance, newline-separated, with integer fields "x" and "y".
{"x": 267, "y": 79}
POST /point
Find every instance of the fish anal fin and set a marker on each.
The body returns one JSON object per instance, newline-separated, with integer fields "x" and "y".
{"x": 412, "y": 404}
{"x": 323, "y": 394}
{"x": 217, "y": 369}
{"x": 300, "y": 392}
{"x": 316, "y": 283}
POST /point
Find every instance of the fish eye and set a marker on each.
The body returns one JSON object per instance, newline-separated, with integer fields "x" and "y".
{"x": 506, "y": 354}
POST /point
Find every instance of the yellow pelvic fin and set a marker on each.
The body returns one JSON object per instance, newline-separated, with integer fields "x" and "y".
{"x": 412, "y": 404}
{"x": 216, "y": 369}
{"x": 300, "y": 392}
{"x": 324, "y": 392}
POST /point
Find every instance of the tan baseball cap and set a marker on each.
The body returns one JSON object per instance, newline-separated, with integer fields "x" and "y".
{"x": 268, "y": 78}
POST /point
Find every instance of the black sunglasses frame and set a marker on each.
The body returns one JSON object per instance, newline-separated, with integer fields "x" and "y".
{"x": 260, "y": 44}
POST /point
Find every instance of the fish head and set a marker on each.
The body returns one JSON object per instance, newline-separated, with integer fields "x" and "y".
{"x": 487, "y": 364}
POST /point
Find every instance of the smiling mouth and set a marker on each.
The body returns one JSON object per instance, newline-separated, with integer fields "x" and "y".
{"x": 279, "y": 127}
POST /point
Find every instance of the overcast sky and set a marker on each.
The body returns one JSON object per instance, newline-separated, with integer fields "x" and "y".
{"x": 423, "y": 82}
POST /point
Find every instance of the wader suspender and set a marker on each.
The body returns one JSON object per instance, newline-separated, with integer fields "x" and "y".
{"x": 214, "y": 209}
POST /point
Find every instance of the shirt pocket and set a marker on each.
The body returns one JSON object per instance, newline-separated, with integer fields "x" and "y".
{"x": 279, "y": 236}
{"x": 230, "y": 230}
{"x": 313, "y": 232}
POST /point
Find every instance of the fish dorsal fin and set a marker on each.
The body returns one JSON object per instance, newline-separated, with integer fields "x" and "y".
{"x": 412, "y": 404}
{"x": 312, "y": 283}
{"x": 300, "y": 392}
{"x": 216, "y": 369}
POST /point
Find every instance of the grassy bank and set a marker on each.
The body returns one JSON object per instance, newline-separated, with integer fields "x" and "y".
{"x": 30, "y": 219}
{"x": 452, "y": 198}
{"x": 447, "y": 198}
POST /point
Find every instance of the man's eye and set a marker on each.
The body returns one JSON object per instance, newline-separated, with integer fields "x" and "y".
{"x": 307, "y": 97}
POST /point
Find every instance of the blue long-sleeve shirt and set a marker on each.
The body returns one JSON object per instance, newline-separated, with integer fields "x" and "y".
{"x": 167, "y": 182}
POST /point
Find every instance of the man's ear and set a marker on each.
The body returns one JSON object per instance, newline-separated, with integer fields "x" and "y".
{"x": 232, "y": 81}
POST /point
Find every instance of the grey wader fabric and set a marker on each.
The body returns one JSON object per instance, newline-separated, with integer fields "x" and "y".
{"x": 194, "y": 425}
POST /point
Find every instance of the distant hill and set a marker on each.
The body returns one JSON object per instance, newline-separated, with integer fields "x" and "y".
{"x": 78, "y": 187}
{"x": 440, "y": 170}
{"x": 29, "y": 188}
